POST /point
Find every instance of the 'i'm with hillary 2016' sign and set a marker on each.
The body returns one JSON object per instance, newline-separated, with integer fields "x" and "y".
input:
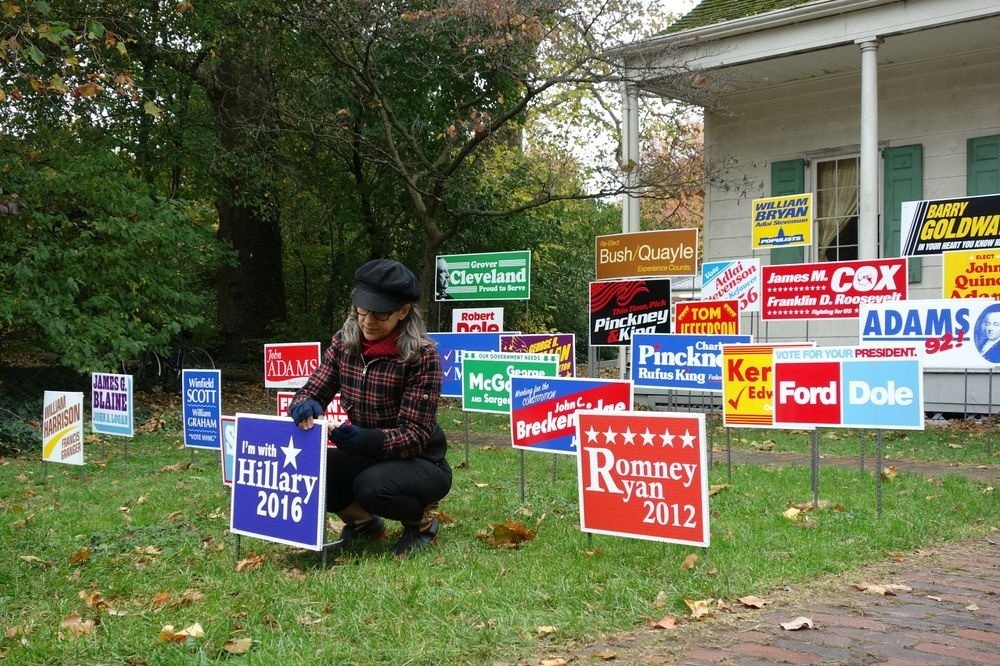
{"x": 279, "y": 481}
{"x": 643, "y": 475}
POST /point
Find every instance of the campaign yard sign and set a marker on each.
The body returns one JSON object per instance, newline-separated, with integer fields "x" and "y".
{"x": 674, "y": 361}
{"x": 201, "y": 401}
{"x": 334, "y": 414}
{"x": 830, "y": 289}
{"x": 938, "y": 225}
{"x": 477, "y": 320}
{"x": 707, "y": 317}
{"x": 971, "y": 274}
{"x": 747, "y": 384}
{"x": 645, "y": 254}
{"x": 62, "y": 427}
{"x": 484, "y": 277}
{"x": 543, "y": 409}
{"x": 949, "y": 333}
{"x": 848, "y": 387}
{"x": 562, "y": 345}
{"x": 450, "y": 347}
{"x": 289, "y": 364}
{"x": 643, "y": 475}
{"x": 732, "y": 278}
{"x": 620, "y": 309}
{"x": 279, "y": 481}
{"x": 111, "y": 398}
{"x": 784, "y": 221}
{"x": 227, "y": 434}
{"x": 486, "y": 377}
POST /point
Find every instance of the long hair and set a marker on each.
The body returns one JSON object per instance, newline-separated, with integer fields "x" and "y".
{"x": 412, "y": 334}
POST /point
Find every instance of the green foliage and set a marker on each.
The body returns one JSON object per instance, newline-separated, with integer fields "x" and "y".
{"x": 93, "y": 265}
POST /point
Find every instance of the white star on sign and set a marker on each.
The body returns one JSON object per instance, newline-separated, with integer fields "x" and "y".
{"x": 609, "y": 436}
{"x": 291, "y": 453}
{"x": 629, "y": 436}
{"x": 687, "y": 439}
{"x": 668, "y": 439}
{"x": 591, "y": 435}
{"x": 647, "y": 438}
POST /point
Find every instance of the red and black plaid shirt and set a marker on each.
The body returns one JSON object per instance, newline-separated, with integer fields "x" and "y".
{"x": 400, "y": 399}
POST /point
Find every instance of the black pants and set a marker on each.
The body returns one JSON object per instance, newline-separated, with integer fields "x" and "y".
{"x": 395, "y": 489}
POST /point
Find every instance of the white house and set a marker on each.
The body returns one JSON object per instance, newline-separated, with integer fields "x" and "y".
{"x": 865, "y": 103}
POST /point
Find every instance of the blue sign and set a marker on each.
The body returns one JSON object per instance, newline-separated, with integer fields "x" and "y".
{"x": 228, "y": 451}
{"x": 279, "y": 481}
{"x": 201, "y": 396}
{"x": 674, "y": 361}
{"x": 882, "y": 394}
{"x": 450, "y": 347}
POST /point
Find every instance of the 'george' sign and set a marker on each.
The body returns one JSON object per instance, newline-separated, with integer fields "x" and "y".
{"x": 643, "y": 475}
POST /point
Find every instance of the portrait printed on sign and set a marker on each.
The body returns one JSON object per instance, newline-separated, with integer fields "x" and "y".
{"x": 987, "y": 335}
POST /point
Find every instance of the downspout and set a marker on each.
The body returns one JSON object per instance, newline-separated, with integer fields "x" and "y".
{"x": 868, "y": 167}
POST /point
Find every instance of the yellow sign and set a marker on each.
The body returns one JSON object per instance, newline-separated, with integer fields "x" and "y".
{"x": 782, "y": 221}
{"x": 748, "y": 384}
{"x": 971, "y": 274}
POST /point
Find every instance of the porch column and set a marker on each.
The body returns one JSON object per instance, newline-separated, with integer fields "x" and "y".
{"x": 869, "y": 161}
{"x": 630, "y": 156}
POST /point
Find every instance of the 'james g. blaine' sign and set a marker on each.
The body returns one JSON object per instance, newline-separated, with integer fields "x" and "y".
{"x": 643, "y": 474}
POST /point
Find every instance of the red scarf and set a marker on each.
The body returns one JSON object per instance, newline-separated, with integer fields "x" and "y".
{"x": 384, "y": 347}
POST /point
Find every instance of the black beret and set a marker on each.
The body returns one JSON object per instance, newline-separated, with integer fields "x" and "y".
{"x": 384, "y": 285}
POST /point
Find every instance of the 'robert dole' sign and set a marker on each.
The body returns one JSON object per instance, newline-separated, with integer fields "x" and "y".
{"x": 848, "y": 387}
{"x": 643, "y": 475}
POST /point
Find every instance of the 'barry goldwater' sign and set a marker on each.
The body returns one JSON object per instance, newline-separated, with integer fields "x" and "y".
{"x": 279, "y": 481}
{"x": 848, "y": 387}
{"x": 643, "y": 475}
{"x": 939, "y": 225}
{"x": 486, "y": 377}
{"x": 543, "y": 409}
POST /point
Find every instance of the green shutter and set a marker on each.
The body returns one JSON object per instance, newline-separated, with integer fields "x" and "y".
{"x": 788, "y": 177}
{"x": 982, "y": 172}
{"x": 902, "y": 180}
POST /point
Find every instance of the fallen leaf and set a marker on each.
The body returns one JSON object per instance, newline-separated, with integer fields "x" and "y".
{"x": 606, "y": 655}
{"x": 192, "y": 631}
{"x": 712, "y": 490}
{"x": 190, "y": 596}
{"x": 690, "y": 562}
{"x": 553, "y": 661}
{"x": 37, "y": 560}
{"x": 889, "y": 589}
{"x": 791, "y": 513}
{"x": 238, "y": 645}
{"x": 661, "y": 599}
{"x": 76, "y": 625}
{"x": 699, "y": 608}
{"x": 176, "y": 467}
{"x": 148, "y": 550}
{"x": 93, "y": 599}
{"x": 80, "y": 556}
{"x": 933, "y": 598}
{"x": 160, "y": 600}
{"x": 798, "y": 623}
{"x": 889, "y": 473}
{"x": 972, "y": 607}
{"x": 753, "y": 602}
{"x": 250, "y": 562}
{"x": 509, "y": 534}
{"x": 665, "y": 622}
{"x": 545, "y": 630}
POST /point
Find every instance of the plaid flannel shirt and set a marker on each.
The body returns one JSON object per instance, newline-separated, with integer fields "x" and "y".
{"x": 400, "y": 399}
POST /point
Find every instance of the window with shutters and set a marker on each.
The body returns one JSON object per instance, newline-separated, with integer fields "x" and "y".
{"x": 836, "y": 212}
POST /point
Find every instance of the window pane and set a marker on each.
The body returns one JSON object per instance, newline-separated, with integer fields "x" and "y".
{"x": 837, "y": 209}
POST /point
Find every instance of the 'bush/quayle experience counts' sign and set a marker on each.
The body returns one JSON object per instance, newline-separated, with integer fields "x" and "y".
{"x": 643, "y": 475}
{"x": 279, "y": 481}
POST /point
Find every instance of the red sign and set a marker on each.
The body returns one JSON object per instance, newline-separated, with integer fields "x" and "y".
{"x": 643, "y": 474}
{"x": 289, "y": 364}
{"x": 707, "y": 317}
{"x": 334, "y": 415}
{"x": 830, "y": 290}
{"x": 807, "y": 393}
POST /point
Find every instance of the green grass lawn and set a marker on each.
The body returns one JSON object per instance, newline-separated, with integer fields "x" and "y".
{"x": 98, "y": 564}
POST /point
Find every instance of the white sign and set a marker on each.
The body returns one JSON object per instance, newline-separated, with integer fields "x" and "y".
{"x": 62, "y": 427}
{"x": 477, "y": 320}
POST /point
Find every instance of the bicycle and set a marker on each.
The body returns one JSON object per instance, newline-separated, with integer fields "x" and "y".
{"x": 151, "y": 367}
